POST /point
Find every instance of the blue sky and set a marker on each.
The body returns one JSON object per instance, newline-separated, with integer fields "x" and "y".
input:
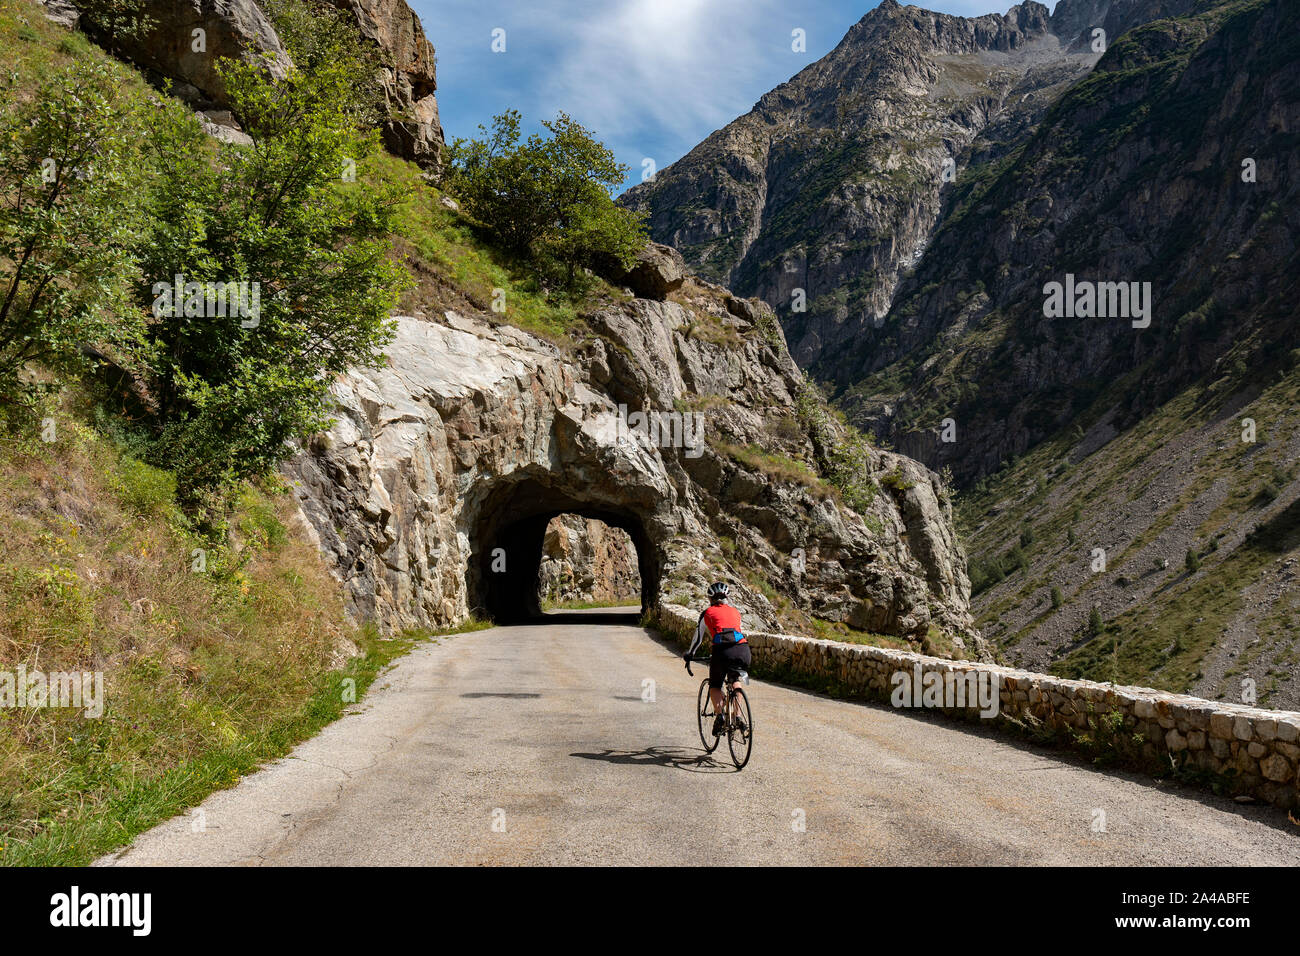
{"x": 650, "y": 77}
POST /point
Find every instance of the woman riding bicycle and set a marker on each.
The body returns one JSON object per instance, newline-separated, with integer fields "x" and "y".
{"x": 720, "y": 622}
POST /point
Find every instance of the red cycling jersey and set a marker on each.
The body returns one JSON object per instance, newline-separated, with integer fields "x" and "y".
{"x": 722, "y": 617}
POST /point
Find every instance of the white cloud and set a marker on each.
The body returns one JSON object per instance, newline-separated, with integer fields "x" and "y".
{"x": 673, "y": 64}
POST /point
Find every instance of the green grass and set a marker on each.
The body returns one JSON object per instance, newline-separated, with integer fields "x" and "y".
{"x": 103, "y": 803}
{"x": 701, "y": 324}
{"x": 775, "y": 465}
{"x": 34, "y": 47}
{"x": 455, "y": 267}
{"x": 470, "y": 624}
{"x": 839, "y": 631}
{"x": 896, "y": 482}
{"x": 206, "y": 673}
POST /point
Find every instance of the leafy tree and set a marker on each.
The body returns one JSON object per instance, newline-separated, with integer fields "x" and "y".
{"x": 113, "y": 22}
{"x": 318, "y": 36}
{"x": 547, "y": 199}
{"x": 67, "y": 228}
{"x": 281, "y": 216}
{"x": 1192, "y": 561}
{"x": 1017, "y": 560}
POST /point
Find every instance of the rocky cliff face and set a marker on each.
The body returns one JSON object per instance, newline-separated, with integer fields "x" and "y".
{"x": 586, "y": 561}
{"x": 432, "y": 494}
{"x": 239, "y": 29}
{"x": 186, "y": 38}
{"x": 410, "y": 78}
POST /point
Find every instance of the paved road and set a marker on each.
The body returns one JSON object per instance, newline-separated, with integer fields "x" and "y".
{"x": 546, "y": 724}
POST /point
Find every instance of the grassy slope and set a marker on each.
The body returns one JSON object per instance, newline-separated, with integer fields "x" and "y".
{"x": 206, "y": 674}
{"x": 1182, "y": 480}
{"x": 455, "y": 269}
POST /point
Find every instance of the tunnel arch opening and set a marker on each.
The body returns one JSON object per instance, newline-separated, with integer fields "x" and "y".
{"x": 507, "y": 542}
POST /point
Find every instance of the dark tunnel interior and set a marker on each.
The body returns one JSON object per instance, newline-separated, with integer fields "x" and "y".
{"x": 508, "y": 541}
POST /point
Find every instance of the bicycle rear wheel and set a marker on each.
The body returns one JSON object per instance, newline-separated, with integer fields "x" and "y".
{"x": 704, "y": 713}
{"x": 740, "y": 742}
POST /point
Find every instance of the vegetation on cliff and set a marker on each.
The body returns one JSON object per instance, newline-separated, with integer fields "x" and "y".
{"x": 217, "y": 633}
{"x": 546, "y": 199}
{"x": 225, "y": 283}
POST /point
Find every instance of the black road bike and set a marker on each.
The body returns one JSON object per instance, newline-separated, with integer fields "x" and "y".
{"x": 737, "y": 720}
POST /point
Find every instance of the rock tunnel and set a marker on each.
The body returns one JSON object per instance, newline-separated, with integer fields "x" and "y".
{"x": 507, "y": 540}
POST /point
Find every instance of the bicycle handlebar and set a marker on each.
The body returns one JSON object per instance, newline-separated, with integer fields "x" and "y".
{"x": 697, "y": 660}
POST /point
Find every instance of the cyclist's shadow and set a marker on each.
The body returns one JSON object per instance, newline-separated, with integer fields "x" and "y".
{"x": 679, "y": 758}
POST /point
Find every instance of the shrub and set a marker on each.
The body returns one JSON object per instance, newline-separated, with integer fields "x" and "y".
{"x": 843, "y": 455}
{"x": 1095, "y": 622}
{"x": 988, "y": 572}
{"x": 985, "y": 574}
{"x": 1267, "y": 493}
{"x": 896, "y": 482}
{"x": 546, "y": 200}
{"x": 234, "y": 391}
{"x": 113, "y": 21}
{"x": 317, "y": 36}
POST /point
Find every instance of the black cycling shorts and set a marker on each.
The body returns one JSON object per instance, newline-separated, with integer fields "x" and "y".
{"x": 727, "y": 660}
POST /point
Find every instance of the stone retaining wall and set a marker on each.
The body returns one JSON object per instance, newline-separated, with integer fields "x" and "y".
{"x": 1245, "y": 749}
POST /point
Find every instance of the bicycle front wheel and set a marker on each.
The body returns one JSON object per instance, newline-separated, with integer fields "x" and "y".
{"x": 705, "y": 715}
{"x": 740, "y": 732}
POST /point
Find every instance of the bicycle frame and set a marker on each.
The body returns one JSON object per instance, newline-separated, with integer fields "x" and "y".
{"x": 727, "y": 712}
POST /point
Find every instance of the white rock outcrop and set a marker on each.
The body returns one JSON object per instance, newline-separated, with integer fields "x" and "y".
{"x": 431, "y": 493}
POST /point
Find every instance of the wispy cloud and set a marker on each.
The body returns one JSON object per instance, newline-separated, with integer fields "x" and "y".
{"x": 679, "y": 66}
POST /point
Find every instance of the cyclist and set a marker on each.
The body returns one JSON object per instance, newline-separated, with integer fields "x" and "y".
{"x": 720, "y": 622}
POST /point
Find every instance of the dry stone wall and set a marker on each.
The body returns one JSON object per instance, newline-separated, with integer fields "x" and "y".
{"x": 1246, "y": 750}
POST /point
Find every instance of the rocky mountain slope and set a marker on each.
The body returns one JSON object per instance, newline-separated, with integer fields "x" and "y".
{"x": 1174, "y": 164}
{"x": 1182, "y": 535}
{"x": 829, "y": 189}
{"x": 239, "y": 29}
{"x": 584, "y": 561}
